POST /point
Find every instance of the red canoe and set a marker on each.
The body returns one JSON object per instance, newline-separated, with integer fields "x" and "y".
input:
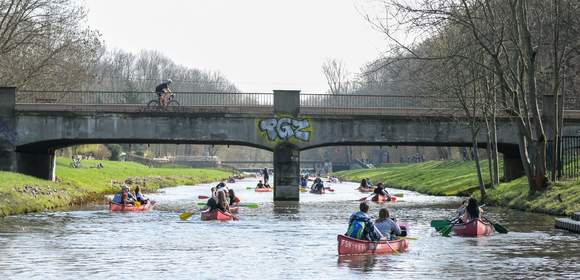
{"x": 215, "y": 215}
{"x": 234, "y": 210}
{"x": 383, "y": 198}
{"x": 130, "y": 208}
{"x": 263, "y": 189}
{"x": 476, "y": 227}
{"x": 351, "y": 246}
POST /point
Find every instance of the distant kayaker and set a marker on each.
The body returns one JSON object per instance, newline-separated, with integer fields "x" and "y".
{"x": 360, "y": 225}
{"x": 232, "y": 197}
{"x": 369, "y": 184}
{"x": 472, "y": 211}
{"x": 380, "y": 190}
{"x": 260, "y": 185}
{"x": 222, "y": 203}
{"x": 317, "y": 185}
{"x": 387, "y": 226}
{"x": 124, "y": 196}
{"x": 139, "y": 196}
{"x": 363, "y": 184}
{"x": 303, "y": 181}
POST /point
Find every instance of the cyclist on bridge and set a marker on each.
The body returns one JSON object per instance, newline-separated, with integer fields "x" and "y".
{"x": 163, "y": 92}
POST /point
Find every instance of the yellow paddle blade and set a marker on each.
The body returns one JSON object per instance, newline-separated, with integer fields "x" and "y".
{"x": 137, "y": 204}
{"x": 185, "y": 215}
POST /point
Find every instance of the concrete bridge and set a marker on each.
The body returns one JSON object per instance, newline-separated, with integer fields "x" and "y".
{"x": 34, "y": 124}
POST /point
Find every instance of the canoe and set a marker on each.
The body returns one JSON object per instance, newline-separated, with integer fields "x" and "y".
{"x": 130, "y": 208}
{"x": 366, "y": 189}
{"x": 263, "y": 189}
{"x": 476, "y": 227}
{"x": 317, "y": 192}
{"x": 351, "y": 246}
{"x": 383, "y": 198}
{"x": 234, "y": 210}
{"x": 303, "y": 190}
{"x": 215, "y": 215}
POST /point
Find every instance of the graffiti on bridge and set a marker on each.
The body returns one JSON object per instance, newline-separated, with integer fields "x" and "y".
{"x": 286, "y": 129}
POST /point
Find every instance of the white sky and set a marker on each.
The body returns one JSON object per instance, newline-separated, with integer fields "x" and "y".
{"x": 259, "y": 45}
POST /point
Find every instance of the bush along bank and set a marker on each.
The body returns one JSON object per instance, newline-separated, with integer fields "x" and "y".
{"x": 76, "y": 186}
{"x": 458, "y": 178}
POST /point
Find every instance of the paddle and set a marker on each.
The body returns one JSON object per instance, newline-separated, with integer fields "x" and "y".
{"x": 202, "y": 197}
{"x": 249, "y": 188}
{"x": 399, "y": 194}
{"x": 445, "y": 231}
{"x": 407, "y": 238}
{"x": 366, "y": 197}
{"x": 499, "y": 228}
{"x": 185, "y": 215}
{"x": 438, "y": 224}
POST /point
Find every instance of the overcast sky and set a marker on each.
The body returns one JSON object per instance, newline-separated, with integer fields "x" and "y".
{"x": 259, "y": 45}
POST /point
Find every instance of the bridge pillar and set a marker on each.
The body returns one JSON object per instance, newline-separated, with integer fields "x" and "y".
{"x": 7, "y": 129}
{"x": 286, "y": 155}
{"x": 37, "y": 164}
{"x": 286, "y": 172}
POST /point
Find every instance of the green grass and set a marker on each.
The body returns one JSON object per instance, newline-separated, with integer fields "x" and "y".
{"x": 21, "y": 194}
{"x": 431, "y": 177}
{"x": 455, "y": 178}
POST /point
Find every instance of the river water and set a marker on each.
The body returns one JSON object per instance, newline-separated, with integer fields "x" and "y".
{"x": 275, "y": 241}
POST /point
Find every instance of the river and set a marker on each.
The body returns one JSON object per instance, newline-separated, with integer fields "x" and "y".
{"x": 275, "y": 241}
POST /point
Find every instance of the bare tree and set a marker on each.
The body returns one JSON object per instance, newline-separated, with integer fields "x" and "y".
{"x": 337, "y": 76}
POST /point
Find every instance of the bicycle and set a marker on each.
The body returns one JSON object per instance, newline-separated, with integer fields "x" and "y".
{"x": 170, "y": 102}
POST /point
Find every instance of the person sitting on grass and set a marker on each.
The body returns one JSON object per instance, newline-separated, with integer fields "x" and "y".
{"x": 361, "y": 227}
{"x": 387, "y": 226}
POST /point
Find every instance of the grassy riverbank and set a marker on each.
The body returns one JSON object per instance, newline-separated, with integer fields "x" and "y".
{"x": 75, "y": 186}
{"x": 450, "y": 178}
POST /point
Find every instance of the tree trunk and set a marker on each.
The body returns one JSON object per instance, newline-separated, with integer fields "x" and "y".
{"x": 478, "y": 167}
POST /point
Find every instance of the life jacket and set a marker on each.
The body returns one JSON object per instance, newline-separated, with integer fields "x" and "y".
{"x": 117, "y": 198}
{"x": 357, "y": 229}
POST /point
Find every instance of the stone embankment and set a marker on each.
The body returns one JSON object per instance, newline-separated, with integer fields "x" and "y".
{"x": 571, "y": 224}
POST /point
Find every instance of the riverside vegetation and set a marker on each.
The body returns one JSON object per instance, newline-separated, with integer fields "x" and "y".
{"x": 76, "y": 186}
{"x": 458, "y": 178}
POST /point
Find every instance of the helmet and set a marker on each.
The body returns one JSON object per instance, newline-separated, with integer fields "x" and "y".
{"x": 169, "y": 81}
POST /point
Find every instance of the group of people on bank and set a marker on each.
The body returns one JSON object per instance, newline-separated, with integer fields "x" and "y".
{"x": 126, "y": 197}
{"x": 222, "y": 198}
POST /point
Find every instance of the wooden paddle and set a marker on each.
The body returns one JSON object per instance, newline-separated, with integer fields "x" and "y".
{"x": 407, "y": 238}
{"x": 366, "y": 197}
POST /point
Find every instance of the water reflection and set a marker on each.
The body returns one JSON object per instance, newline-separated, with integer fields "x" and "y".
{"x": 363, "y": 263}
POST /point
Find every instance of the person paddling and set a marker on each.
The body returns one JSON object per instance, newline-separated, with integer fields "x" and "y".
{"x": 361, "y": 227}
{"x": 472, "y": 211}
{"x": 380, "y": 190}
{"x": 386, "y": 225}
{"x": 233, "y": 198}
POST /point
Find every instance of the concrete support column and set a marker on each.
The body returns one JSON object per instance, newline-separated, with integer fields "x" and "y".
{"x": 286, "y": 173}
{"x": 512, "y": 167}
{"x": 8, "y": 135}
{"x": 37, "y": 164}
{"x": 286, "y": 155}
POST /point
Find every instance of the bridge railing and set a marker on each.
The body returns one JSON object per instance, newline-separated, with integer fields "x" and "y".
{"x": 372, "y": 104}
{"x": 136, "y": 101}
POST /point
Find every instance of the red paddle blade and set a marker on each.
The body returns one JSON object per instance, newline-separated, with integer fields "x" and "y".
{"x": 330, "y": 190}
{"x": 203, "y": 197}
